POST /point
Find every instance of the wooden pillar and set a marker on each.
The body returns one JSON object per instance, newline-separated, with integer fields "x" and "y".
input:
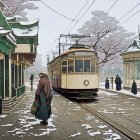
{"x": 10, "y": 77}
{"x": 6, "y": 76}
{"x": 2, "y": 78}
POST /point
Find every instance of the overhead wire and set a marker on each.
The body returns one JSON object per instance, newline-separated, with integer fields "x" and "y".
{"x": 72, "y": 21}
{"x": 56, "y": 11}
{"x": 76, "y": 15}
{"x": 81, "y": 16}
{"x": 129, "y": 11}
{"x": 112, "y": 6}
{"x": 130, "y": 17}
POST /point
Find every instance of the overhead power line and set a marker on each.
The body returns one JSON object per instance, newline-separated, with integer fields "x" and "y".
{"x": 129, "y": 11}
{"x": 72, "y": 21}
{"x": 112, "y": 6}
{"x": 76, "y": 15}
{"x": 56, "y": 11}
{"x": 81, "y": 16}
{"x": 130, "y": 17}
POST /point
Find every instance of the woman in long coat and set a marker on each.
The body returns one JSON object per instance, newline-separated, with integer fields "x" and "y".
{"x": 118, "y": 82}
{"x": 107, "y": 83}
{"x": 43, "y": 95}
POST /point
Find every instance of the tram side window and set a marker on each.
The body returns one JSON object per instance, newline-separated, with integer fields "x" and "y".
{"x": 86, "y": 65}
{"x": 64, "y": 67}
{"x": 92, "y": 65}
{"x": 70, "y": 66}
{"x": 78, "y": 65}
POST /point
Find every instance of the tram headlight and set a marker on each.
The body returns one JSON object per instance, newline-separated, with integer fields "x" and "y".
{"x": 86, "y": 82}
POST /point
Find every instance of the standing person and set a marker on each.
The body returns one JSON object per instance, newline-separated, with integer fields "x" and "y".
{"x": 134, "y": 87}
{"x": 43, "y": 95}
{"x": 107, "y": 83}
{"x": 118, "y": 82}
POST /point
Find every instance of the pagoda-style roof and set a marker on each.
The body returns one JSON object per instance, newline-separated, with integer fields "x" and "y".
{"x": 3, "y": 22}
{"x": 7, "y": 40}
{"x": 25, "y": 32}
{"x": 134, "y": 47}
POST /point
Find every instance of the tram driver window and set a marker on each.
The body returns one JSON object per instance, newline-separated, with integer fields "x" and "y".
{"x": 86, "y": 65}
{"x": 64, "y": 67}
{"x": 78, "y": 65}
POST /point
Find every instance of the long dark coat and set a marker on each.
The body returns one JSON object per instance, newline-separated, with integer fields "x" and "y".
{"x": 118, "y": 83}
{"x": 43, "y": 96}
{"x": 134, "y": 87}
{"x": 44, "y": 110}
{"x": 107, "y": 83}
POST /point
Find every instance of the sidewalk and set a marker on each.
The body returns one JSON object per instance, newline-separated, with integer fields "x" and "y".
{"x": 19, "y": 123}
{"x": 123, "y": 91}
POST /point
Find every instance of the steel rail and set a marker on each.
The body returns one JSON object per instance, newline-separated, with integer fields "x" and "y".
{"x": 123, "y": 130}
{"x": 121, "y": 114}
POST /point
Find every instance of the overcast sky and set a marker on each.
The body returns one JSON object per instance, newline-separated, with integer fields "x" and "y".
{"x": 52, "y": 25}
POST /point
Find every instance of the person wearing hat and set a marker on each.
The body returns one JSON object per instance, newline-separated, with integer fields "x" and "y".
{"x": 43, "y": 95}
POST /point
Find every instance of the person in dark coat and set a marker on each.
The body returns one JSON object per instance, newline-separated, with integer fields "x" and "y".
{"x": 44, "y": 96}
{"x": 107, "y": 83}
{"x": 134, "y": 87}
{"x": 118, "y": 82}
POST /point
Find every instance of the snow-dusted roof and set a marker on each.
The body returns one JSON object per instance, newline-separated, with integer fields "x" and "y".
{"x": 8, "y": 34}
{"x": 13, "y": 17}
{"x": 134, "y": 47}
{"x": 1, "y": 3}
{"x": 10, "y": 18}
{"x": 29, "y": 22}
{"x": 26, "y": 32}
{"x": 4, "y": 32}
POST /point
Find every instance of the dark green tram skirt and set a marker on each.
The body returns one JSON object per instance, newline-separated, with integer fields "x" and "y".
{"x": 44, "y": 110}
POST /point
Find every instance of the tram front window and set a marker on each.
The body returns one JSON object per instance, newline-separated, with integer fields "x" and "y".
{"x": 86, "y": 65}
{"x": 78, "y": 65}
{"x": 70, "y": 66}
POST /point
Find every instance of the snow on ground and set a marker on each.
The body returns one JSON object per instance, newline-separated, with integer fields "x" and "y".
{"x": 3, "y": 116}
{"x": 77, "y": 134}
{"x": 27, "y": 122}
{"x": 102, "y": 85}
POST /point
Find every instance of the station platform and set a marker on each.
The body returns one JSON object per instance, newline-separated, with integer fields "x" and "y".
{"x": 68, "y": 122}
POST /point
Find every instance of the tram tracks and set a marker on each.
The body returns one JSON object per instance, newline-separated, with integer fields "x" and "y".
{"x": 111, "y": 122}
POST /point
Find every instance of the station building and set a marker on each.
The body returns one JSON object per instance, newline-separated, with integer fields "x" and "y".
{"x": 131, "y": 64}
{"x": 18, "y": 49}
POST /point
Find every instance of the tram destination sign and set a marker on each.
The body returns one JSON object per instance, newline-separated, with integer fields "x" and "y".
{"x": 1, "y": 56}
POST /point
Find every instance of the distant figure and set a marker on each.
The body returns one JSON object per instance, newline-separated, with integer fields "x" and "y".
{"x": 107, "y": 83}
{"x": 134, "y": 87}
{"x": 31, "y": 79}
{"x": 118, "y": 82}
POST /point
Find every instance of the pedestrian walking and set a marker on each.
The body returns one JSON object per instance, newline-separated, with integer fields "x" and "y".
{"x": 106, "y": 83}
{"x": 118, "y": 82}
{"x": 44, "y": 96}
{"x": 134, "y": 87}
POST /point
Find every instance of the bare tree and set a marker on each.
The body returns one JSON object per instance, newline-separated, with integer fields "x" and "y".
{"x": 108, "y": 39}
{"x": 17, "y": 7}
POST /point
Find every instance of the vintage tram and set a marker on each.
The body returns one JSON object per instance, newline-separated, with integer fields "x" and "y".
{"x": 74, "y": 73}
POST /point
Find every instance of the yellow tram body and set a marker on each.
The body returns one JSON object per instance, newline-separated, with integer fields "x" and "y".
{"x": 74, "y": 73}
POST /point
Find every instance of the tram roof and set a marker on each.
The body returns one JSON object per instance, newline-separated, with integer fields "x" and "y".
{"x": 73, "y": 49}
